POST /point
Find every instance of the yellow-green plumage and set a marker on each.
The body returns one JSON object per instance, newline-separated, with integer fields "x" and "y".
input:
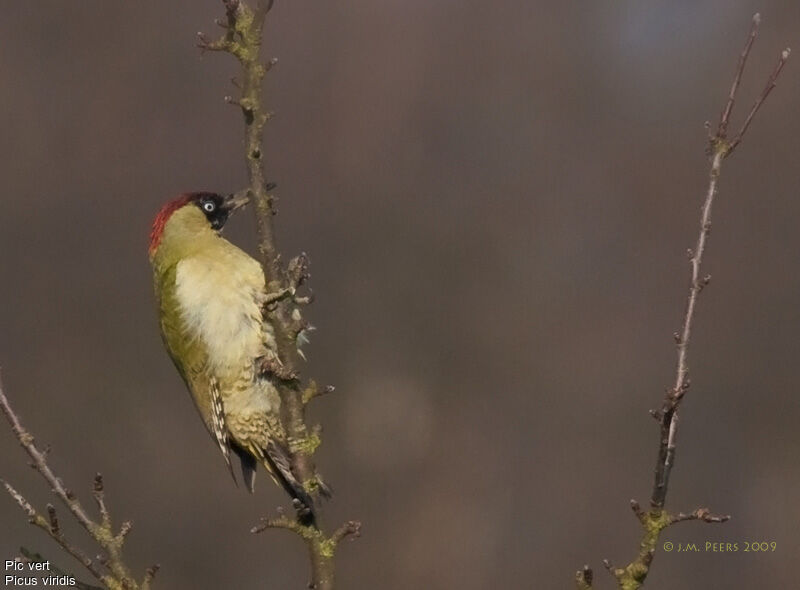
{"x": 210, "y": 295}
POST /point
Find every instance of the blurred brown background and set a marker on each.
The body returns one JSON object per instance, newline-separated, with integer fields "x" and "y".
{"x": 497, "y": 199}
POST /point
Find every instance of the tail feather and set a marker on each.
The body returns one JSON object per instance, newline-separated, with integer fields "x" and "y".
{"x": 249, "y": 465}
{"x": 278, "y": 462}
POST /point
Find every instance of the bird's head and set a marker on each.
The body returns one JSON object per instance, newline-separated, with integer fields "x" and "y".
{"x": 193, "y": 213}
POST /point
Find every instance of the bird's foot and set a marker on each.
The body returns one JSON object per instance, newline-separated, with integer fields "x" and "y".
{"x": 272, "y": 367}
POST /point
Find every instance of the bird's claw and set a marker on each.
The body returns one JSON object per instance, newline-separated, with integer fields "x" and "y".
{"x": 272, "y": 367}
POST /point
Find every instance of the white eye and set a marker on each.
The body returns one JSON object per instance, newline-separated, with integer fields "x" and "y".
{"x": 209, "y": 206}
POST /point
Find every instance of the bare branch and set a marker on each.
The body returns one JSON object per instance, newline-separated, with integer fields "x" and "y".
{"x": 19, "y": 499}
{"x": 351, "y": 528}
{"x": 771, "y": 82}
{"x": 654, "y": 521}
{"x": 726, "y": 112}
{"x": 99, "y": 498}
{"x": 53, "y": 518}
{"x": 119, "y": 577}
{"x": 53, "y": 530}
{"x": 720, "y": 149}
{"x": 703, "y": 514}
{"x": 40, "y": 464}
{"x": 149, "y": 575}
{"x": 282, "y": 522}
{"x": 123, "y": 531}
{"x": 637, "y": 510}
{"x": 313, "y": 391}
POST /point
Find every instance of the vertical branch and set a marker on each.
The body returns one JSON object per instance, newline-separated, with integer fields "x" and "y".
{"x": 255, "y": 118}
{"x": 244, "y": 28}
{"x": 720, "y": 148}
{"x": 669, "y": 411}
{"x": 655, "y": 520}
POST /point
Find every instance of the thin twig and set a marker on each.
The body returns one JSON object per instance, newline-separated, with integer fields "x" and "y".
{"x": 282, "y": 522}
{"x": 149, "y": 576}
{"x": 313, "y": 391}
{"x": 771, "y": 81}
{"x": 720, "y": 149}
{"x": 351, "y": 528}
{"x": 99, "y": 497}
{"x": 654, "y": 521}
{"x": 722, "y": 129}
{"x": 40, "y": 464}
{"x": 703, "y": 514}
{"x": 52, "y": 529}
{"x": 102, "y": 532}
{"x": 669, "y": 410}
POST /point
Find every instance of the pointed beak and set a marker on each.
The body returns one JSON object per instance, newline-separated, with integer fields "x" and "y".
{"x": 236, "y": 201}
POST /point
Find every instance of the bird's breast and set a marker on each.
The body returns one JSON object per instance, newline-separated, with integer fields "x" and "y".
{"x": 218, "y": 298}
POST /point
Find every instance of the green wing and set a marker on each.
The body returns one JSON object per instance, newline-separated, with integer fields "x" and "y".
{"x": 189, "y": 355}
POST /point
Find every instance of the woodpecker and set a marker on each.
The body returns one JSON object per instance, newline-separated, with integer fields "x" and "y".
{"x": 210, "y": 298}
